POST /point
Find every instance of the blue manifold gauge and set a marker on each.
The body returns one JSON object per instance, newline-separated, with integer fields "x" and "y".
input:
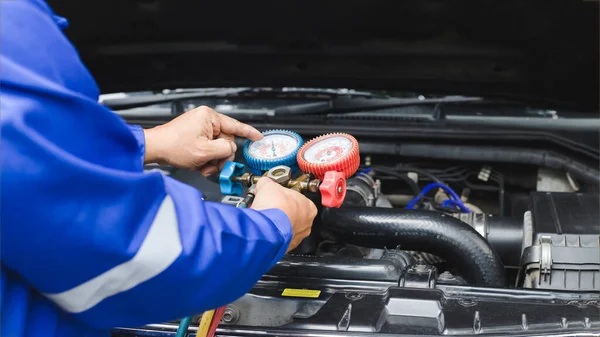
{"x": 278, "y": 147}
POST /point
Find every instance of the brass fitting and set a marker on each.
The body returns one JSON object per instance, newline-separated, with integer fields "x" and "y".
{"x": 283, "y": 176}
{"x": 248, "y": 179}
{"x": 304, "y": 183}
{"x": 298, "y": 184}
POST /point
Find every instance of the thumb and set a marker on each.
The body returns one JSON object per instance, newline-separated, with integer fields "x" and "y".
{"x": 219, "y": 148}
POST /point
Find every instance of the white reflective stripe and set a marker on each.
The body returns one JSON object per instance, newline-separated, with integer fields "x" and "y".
{"x": 161, "y": 247}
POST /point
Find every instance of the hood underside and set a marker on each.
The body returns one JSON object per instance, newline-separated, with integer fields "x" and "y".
{"x": 543, "y": 53}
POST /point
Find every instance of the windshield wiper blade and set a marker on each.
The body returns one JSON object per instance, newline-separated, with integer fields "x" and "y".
{"x": 137, "y": 101}
{"x": 343, "y": 104}
{"x": 146, "y": 100}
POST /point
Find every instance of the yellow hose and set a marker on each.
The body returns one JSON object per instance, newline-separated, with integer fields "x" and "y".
{"x": 205, "y": 323}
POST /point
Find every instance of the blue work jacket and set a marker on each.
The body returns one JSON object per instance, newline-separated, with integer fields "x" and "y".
{"x": 89, "y": 241}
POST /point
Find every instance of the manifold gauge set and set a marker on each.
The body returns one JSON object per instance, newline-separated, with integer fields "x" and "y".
{"x": 320, "y": 165}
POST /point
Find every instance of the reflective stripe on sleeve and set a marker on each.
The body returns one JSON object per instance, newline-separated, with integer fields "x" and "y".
{"x": 161, "y": 247}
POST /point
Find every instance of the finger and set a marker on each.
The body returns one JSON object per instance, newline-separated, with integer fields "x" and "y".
{"x": 234, "y": 127}
{"x": 230, "y": 138}
{"x": 226, "y": 136}
{"x": 219, "y": 148}
{"x": 221, "y": 163}
{"x": 208, "y": 170}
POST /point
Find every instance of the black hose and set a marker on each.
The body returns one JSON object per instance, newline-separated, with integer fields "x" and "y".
{"x": 336, "y": 267}
{"x": 404, "y": 177}
{"x": 505, "y": 234}
{"x": 497, "y": 154}
{"x": 542, "y": 158}
{"x": 409, "y": 169}
{"x": 426, "y": 231}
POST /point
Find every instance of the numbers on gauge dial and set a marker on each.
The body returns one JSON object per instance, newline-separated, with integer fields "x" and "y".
{"x": 273, "y": 146}
{"x": 328, "y": 150}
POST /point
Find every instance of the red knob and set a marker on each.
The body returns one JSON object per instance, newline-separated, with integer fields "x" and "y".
{"x": 333, "y": 189}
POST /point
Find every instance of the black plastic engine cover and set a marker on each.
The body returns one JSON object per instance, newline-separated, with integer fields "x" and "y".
{"x": 564, "y": 253}
{"x": 318, "y": 307}
{"x": 566, "y": 213}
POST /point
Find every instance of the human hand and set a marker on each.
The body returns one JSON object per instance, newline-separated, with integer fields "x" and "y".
{"x": 299, "y": 209}
{"x": 200, "y": 139}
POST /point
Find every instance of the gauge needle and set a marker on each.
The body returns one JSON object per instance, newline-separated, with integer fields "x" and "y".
{"x": 273, "y": 148}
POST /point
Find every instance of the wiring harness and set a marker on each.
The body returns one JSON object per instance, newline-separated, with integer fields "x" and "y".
{"x": 454, "y": 200}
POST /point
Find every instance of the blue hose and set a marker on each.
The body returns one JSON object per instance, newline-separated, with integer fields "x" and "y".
{"x": 183, "y": 326}
{"x": 448, "y": 203}
{"x": 452, "y": 203}
{"x": 365, "y": 171}
{"x": 453, "y": 196}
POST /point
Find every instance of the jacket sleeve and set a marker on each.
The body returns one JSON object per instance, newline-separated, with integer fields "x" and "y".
{"x": 140, "y": 139}
{"x": 83, "y": 224}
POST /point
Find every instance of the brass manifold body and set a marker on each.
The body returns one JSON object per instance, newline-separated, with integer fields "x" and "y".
{"x": 283, "y": 176}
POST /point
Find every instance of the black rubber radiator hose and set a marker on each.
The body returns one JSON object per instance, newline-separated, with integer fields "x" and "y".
{"x": 455, "y": 241}
{"x": 542, "y": 158}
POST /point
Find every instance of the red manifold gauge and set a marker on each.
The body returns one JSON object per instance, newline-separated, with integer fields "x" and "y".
{"x": 332, "y": 158}
{"x": 331, "y": 152}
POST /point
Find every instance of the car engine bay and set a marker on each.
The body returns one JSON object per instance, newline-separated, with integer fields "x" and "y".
{"x": 472, "y": 206}
{"x": 430, "y": 246}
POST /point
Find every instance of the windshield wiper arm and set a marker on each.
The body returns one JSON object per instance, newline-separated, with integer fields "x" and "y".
{"x": 344, "y": 104}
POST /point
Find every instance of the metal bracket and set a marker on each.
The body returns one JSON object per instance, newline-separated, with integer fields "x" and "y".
{"x": 546, "y": 256}
{"x": 377, "y": 188}
{"x": 232, "y": 200}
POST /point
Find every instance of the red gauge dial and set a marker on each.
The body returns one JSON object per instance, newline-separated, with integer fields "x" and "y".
{"x": 332, "y": 152}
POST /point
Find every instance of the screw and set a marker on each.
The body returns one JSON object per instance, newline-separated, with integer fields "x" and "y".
{"x": 354, "y": 296}
{"x": 230, "y": 315}
{"x": 447, "y": 276}
{"x": 421, "y": 267}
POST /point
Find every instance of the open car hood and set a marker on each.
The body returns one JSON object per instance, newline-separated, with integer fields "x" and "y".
{"x": 543, "y": 53}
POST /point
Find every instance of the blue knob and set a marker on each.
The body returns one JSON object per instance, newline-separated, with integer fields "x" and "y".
{"x": 229, "y": 187}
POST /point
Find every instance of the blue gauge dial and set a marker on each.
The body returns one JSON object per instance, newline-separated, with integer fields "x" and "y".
{"x": 278, "y": 147}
